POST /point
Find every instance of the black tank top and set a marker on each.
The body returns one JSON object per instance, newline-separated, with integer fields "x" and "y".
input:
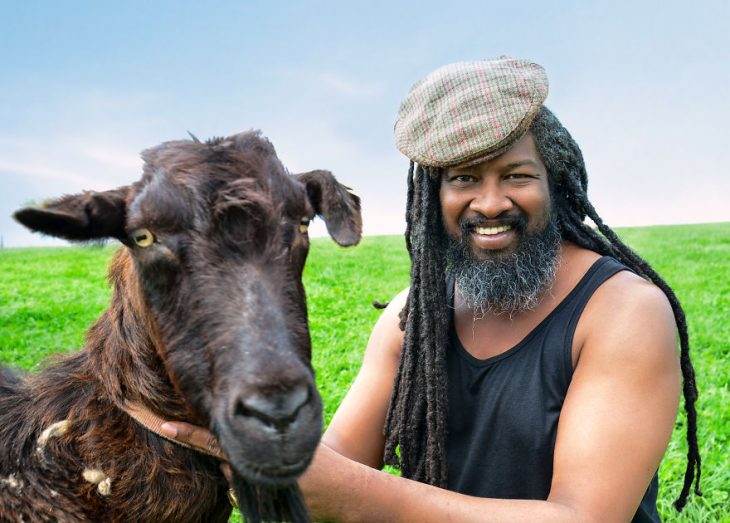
{"x": 504, "y": 410}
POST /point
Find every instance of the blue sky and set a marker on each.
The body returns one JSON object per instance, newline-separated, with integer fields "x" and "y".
{"x": 85, "y": 86}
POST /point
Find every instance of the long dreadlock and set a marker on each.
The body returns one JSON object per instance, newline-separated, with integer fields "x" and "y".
{"x": 415, "y": 425}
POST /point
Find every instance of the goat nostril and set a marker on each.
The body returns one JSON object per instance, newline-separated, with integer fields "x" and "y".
{"x": 277, "y": 410}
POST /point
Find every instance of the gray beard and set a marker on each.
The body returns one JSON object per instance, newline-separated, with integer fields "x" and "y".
{"x": 509, "y": 283}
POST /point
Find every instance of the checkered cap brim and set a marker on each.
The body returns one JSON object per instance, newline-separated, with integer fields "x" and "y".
{"x": 468, "y": 112}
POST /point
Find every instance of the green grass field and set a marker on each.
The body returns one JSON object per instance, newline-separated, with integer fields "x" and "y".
{"x": 49, "y": 297}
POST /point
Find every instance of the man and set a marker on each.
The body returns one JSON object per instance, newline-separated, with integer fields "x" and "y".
{"x": 529, "y": 373}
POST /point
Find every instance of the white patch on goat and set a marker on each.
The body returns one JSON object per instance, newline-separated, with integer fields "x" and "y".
{"x": 12, "y": 482}
{"x": 57, "y": 429}
{"x": 102, "y": 481}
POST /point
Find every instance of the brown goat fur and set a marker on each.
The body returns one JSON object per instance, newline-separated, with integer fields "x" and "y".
{"x": 207, "y": 324}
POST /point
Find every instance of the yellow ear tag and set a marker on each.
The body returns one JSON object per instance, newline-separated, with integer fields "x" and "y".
{"x": 143, "y": 237}
{"x": 304, "y": 225}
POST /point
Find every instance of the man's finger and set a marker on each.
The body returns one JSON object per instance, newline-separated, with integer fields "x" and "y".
{"x": 212, "y": 446}
{"x": 181, "y": 431}
{"x": 193, "y": 435}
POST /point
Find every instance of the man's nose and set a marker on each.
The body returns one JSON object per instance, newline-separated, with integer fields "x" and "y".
{"x": 490, "y": 201}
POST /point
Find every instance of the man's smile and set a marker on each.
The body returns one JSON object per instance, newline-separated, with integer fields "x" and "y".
{"x": 493, "y": 238}
{"x": 492, "y": 235}
{"x": 490, "y": 231}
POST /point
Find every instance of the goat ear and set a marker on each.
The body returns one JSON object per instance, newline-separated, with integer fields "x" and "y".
{"x": 79, "y": 217}
{"x": 336, "y": 204}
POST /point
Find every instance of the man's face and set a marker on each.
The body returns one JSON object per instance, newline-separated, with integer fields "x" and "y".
{"x": 491, "y": 205}
{"x": 503, "y": 242}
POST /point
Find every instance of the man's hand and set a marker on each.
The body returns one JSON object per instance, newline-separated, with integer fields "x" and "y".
{"x": 198, "y": 437}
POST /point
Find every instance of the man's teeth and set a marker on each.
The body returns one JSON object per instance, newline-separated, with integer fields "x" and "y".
{"x": 492, "y": 230}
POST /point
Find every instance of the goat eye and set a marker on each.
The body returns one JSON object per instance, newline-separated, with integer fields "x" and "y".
{"x": 143, "y": 237}
{"x": 304, "y": 225}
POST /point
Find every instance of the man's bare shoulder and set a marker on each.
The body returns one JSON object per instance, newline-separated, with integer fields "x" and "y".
{"x": 622, "y": 294}
{"x": 630, "y": 317}
{"x": 399, "y": 301}
{"x": 386, "y": 337}
{"x": 627, "y": 294}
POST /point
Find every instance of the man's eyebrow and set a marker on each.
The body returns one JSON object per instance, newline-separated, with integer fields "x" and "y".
{"x": 519, "y": 163}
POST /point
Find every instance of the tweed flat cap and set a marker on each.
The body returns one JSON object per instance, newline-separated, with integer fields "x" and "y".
{"x": 468, "y": 112}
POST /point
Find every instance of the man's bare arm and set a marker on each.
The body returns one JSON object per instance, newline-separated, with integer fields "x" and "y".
{"x": 356, "y": 430}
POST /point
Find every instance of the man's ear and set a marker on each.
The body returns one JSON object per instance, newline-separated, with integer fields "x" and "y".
{"x": 338, "y": 207}
{"x": 79, "y": 217}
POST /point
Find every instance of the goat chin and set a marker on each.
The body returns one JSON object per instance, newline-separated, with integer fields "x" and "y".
{"x": 260, "y": 503}
{"x": 280, "y": 476}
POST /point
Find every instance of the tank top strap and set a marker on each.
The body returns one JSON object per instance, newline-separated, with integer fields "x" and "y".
{"x": 595, "y": 276}
{"x": 573, "y": 305}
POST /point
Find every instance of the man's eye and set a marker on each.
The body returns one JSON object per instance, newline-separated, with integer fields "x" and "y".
{"x": 518, "y": 176}
{"x": 463, "y": 178}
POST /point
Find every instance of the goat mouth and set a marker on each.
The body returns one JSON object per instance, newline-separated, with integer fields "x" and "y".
{"x": 276, "y": 476}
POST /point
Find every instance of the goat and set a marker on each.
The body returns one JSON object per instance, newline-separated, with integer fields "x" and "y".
{"x": 207, "y": 324}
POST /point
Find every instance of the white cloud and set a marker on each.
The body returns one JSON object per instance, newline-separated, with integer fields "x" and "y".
{"x": 348, "y": 87}
{"x": 334, "y": 83}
